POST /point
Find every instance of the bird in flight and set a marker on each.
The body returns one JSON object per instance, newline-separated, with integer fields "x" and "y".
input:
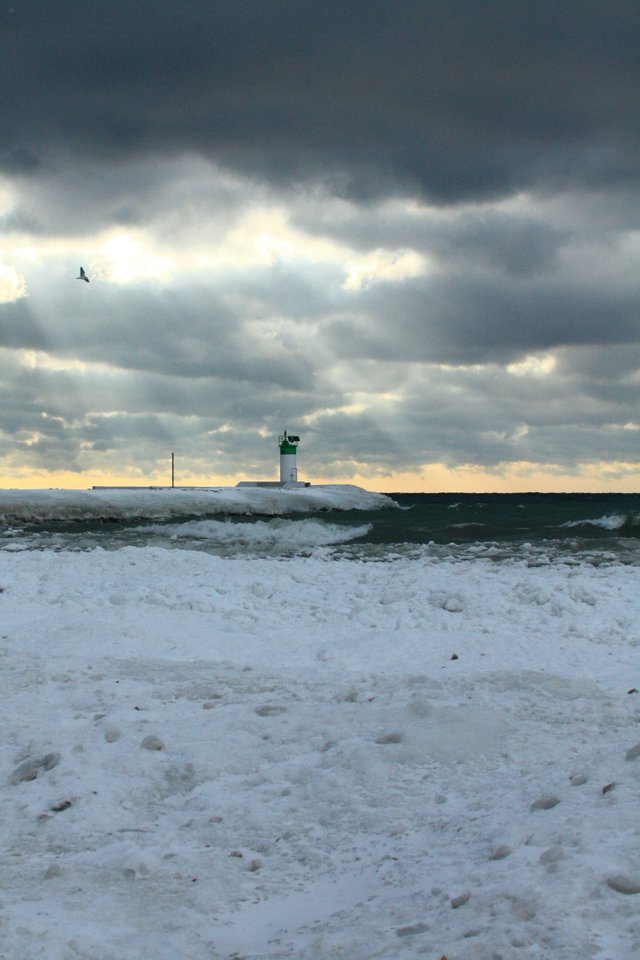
{"x": 83, "y": 275}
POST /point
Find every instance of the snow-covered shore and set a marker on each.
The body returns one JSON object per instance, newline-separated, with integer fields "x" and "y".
{"x": 205, "y": 758}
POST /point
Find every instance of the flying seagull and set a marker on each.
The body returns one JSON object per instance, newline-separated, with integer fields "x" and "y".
{"x": 83, "y": 275}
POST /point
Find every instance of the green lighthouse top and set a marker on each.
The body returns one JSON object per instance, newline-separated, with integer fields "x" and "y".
{"x": 288, "y": 444}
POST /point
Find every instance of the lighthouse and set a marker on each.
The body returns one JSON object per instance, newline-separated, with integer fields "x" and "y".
{"x": 288, "y": 468}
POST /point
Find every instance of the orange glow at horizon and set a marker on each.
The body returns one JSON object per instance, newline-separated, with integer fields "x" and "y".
{"x": 433, "y": 478}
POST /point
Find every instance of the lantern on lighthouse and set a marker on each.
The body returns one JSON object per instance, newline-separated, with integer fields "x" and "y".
{"x": 288, "y": 468}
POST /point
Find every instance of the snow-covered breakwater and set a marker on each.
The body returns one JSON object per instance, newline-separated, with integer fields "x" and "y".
{"x": 24, "y": 506}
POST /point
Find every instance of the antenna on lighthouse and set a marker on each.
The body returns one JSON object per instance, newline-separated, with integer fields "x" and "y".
{"x": 288, "y": 449}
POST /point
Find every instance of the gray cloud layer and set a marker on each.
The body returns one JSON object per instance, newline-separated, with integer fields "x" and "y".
{"x": 458, "y": 99}
{"x": 500, "y": 142}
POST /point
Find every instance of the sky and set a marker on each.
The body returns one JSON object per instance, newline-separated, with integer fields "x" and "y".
{"x": 408, "y": 231}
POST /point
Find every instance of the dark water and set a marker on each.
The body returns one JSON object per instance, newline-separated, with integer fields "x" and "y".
{"x": 539, "y": 528}
{"x": 442, "y": 518}
{"x": 597, "y": 527}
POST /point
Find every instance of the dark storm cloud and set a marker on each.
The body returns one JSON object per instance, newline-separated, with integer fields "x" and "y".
{"x": 460, "y": 319}
{"x": 20, "y": 162}
{"x": 457, "y": 99}
{"x": 519, "y": 244}
{"x": 617, "y": 365}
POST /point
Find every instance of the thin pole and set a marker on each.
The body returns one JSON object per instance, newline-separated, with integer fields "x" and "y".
{"x": 173, "y": 469}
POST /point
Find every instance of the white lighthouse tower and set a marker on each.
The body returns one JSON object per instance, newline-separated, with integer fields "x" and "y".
{"x": 288, "y": 468}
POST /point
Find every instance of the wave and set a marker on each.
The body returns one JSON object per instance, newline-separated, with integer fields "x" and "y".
{"x": 277, "y": 533}
{"x": 613, "y": 522}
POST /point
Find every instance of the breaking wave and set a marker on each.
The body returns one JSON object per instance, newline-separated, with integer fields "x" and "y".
{"x": 278, "y": 537}
{"x": 279, "y": 534}
{"x": 613, "y": 522}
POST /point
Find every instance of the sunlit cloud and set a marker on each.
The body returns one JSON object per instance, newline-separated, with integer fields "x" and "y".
{"x": 39, "y": 360}
{"x": 13, "y": 285}
{"x": 125, "y": 257}
{"x": 264, "y": 236}
{"x": 390, "y": 266}
{"x": 533, "y": 366}
{"x": 259, "y": 237}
